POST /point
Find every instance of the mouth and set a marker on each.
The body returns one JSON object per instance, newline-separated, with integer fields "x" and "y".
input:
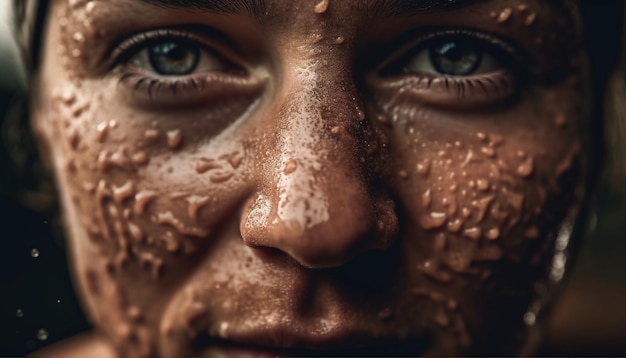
{"x": 287, "y": 345}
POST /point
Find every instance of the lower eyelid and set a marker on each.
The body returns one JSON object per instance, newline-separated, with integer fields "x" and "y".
{"x": 145, "y": 89}
{"x": 451, "y": 92}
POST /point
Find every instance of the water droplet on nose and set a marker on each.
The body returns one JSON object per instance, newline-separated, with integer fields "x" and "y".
{"x": 481, "y": 136}
{"x": 42, "y": 334}
{"x": 19, "y": 313}
{"x": 290, "y": 166}
{"x": 335, "y": 130}
{"x": 34, "y": 253}
{"x": 78, "y": 37}
{"x": 403, "y": 174}
{"x": 339, "y": 40}
{"x": 321, "y": 7}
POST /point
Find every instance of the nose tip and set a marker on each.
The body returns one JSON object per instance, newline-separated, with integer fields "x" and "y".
{"x": 326, "y": 229}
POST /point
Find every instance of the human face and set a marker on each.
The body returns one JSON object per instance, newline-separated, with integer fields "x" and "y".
{"x": 314, "y": 177}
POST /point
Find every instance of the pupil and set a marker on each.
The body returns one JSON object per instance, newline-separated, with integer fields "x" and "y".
{"x": 451, "y": 51}
{"x": 176, "y": 53}
{"x": 171, "y": 58}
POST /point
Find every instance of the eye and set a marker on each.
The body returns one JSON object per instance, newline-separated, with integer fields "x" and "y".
{"x": 171, "y": 58}
{"x": 453, "y": 69}
{"x": 453, "y": 57}
{"x": 176, "y": 58}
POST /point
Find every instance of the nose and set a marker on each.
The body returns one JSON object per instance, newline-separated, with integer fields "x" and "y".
{"x": 316, "y": 200}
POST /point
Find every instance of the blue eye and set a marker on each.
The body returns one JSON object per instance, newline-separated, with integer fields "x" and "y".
{"x": 455, "y": 59}
{"x": 173, "y": 58}
{"x": 455, "y": 56}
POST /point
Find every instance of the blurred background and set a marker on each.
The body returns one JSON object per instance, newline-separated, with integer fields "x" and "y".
{"x": 38, "y": 306}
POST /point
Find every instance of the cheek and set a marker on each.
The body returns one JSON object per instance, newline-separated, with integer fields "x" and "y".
{"x": 483, "y": 193}
{"x": 145, "y": 190}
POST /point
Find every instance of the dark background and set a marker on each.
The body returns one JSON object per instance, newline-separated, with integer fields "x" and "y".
{"x": 38, "y": 306}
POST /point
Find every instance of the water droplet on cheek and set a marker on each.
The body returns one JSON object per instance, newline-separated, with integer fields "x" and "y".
{"x": 206, "y": 164}
{"x": 120, "y": 194}
{"x": 527, "y": 168}
{"x": 427, "y": 199}
{"x": 174, "y": 139}
{"x": 151, "y": 134}
{"x": 423, "y": 168}
{"x": 102, "y": 130}
{"x": 142, "y": 199}
{"x": 135, "y": 232}
{"x": 493, "y": 234}
{"x": 140, "y": 158}
{"x": 504, "y": 15}
{"x": 473, "y": 233}
{"x": 433, "y": 220}
{"x": 321, "y": 7}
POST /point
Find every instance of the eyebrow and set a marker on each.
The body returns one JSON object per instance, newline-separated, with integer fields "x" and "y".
{"x": 251, "y": 7}
{"x": 410, "y": 7}
{"x": 257, "y": 8}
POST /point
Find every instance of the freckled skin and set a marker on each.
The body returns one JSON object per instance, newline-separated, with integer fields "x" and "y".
{"x": 338, "y": 205}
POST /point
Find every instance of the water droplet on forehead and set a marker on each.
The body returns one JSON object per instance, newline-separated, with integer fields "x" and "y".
{"x": 34, "y": 253}
{"x": 42, "y": 334}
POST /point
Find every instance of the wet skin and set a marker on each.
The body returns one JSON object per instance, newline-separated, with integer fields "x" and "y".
{"x": 311, "y": 178}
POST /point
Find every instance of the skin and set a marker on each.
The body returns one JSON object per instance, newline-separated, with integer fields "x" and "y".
{"x": 312, "y": 196}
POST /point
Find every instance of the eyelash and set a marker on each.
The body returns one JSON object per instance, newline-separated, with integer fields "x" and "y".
{"x": 498, "y": 84}
{"x": 154, "y": 84}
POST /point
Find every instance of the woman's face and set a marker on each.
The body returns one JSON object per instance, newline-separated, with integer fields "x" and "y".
{"x": 314, "y": 177}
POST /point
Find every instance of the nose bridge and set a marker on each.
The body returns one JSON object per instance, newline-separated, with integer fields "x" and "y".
{"x": 315, "y": 150}
{"x": 321, "y": 210}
